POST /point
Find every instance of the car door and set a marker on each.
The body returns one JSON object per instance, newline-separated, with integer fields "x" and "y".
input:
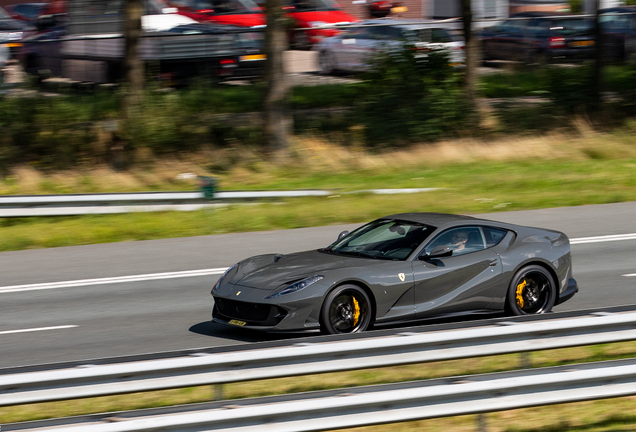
{"x": 348, "y": 53}
{"x": 469, "y": 279}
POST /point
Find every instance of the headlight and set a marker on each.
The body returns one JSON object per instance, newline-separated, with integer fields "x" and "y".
{"x": 218, "y": 283}
{"x": 317, "y": 24}
{"x": 14, "y": 36}
{"x": 295, "y": 286}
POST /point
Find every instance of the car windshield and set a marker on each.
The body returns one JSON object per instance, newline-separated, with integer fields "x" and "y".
{"x": 387, "y": 239}
{"x": 313, "y": 5}
{"x": 4, "y": 14}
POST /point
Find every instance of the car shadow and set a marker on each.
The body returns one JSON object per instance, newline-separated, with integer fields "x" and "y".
{"x": 209, "y": 328}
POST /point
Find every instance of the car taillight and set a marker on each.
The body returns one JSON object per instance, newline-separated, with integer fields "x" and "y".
{"x": 227, "y": 61}
{"x": 556, "y": 42}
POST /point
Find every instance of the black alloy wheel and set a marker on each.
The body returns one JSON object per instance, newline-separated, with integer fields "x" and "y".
{"x": 347, "y": 309}
{"x": 532, "y": 291}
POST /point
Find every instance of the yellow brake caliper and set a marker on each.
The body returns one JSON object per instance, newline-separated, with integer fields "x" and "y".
{"x": 519, "y": 293}
{"x": 356, "y": 311}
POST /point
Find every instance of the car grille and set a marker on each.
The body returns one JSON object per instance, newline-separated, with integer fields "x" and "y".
{"x": 254, "y": 313}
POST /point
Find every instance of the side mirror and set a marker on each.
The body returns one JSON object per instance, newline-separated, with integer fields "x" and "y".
{"x": 439, "y": 252}
{"x": 343, "y": 234}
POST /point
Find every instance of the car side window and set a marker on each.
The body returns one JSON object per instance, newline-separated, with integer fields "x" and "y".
{"x": 493, "y": 236}
{"x": 461, "y": 240}
{"x": 440, "y": 36}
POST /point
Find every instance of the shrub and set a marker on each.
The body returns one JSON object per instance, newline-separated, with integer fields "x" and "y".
{"x": 409, "y": 98}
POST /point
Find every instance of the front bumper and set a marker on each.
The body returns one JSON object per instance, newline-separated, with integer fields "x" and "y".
{"x": 301, "y": 313}
{"x": 569, "y": 292}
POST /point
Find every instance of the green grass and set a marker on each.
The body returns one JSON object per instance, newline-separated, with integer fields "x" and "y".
{"x": 468, "y": 188}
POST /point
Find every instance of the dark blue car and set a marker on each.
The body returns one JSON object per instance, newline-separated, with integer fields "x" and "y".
{"x": 539, "y": 37}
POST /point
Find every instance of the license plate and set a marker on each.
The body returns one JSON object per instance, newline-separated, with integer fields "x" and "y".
{"x": 582, "y": 43}
{"x": 238, "y": 323}
{"x": 399, "y": 9}
{"x": 253, "y": 57}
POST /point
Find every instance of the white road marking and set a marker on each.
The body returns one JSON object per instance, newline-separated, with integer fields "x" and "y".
{"x": 216, "y": 271}
{"x": 37, "y": 329}
{"x": 111, "y": 280}
{"x": 630, "y": 275}
{"x": 601, "y": 239}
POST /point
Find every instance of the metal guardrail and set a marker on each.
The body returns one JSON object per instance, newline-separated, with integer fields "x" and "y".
{"x": 105, "y": 203}
{"x": 503, "y": 336}
{"x": 364, "y": 406}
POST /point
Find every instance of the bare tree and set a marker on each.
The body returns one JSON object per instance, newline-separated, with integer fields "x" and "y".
{"x": 133, "y": 66}
{"x": 597, "y": 77}
{"x": 276, "y": 110}
{"x": 471, "y": 53}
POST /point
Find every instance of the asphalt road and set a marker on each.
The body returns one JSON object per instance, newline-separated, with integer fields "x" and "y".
{"x": 94, "y": 319}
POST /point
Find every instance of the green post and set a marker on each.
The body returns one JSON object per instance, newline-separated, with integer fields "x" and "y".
{"x": 208, "y": 187}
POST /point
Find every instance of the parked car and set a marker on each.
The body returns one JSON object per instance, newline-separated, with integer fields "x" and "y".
{"x": 354, "y": 50}
{"x": 28, "y": 12}
{"x": 539, "y": 37}
{"x": 242, "y": 13}
{"x": 318, "y": 16}
{"x": 11, "y": 32}
{"x": 618, "y": 26}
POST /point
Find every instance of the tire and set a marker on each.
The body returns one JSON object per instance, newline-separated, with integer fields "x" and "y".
{"x": 326, "y": 63}
{"x": 532, "y": 291}
{"x": 347, "y": 309}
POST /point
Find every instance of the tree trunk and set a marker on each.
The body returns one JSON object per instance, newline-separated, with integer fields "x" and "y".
{"x": 597, "y": 77}
{"x": 471, "y": 54}
{"x": 277, "y": 122}
{"x": 133, "y": 66}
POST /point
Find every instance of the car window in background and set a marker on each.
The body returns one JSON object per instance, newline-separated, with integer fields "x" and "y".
{"x": 4, "y": 14}
{"x": 571, "y": 26}
{"x": 440, "y": 36}
{"x": 386, "y": 33}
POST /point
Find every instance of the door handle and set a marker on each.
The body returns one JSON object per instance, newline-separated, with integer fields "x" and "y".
{"x": 494, "y": 262}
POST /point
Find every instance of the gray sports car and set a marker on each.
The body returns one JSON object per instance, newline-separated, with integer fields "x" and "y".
{"x": 400, "y": 268}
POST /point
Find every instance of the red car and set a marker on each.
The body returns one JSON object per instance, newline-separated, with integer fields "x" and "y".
{"x": 316, "y": 15}
{"x": 242, "y": 13}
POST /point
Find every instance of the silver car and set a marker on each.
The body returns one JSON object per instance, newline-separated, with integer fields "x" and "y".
{"x": 354, "y": 49}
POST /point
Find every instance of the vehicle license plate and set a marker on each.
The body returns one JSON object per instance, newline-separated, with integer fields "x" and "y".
{"x": 582, "y": 43}
{"x": 399, "y": 9}
{"x": 238, "y": 323}
{"x": 253, "y": 57}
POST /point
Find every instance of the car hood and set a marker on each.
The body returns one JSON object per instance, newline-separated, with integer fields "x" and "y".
{"x": 11, "y": 25}
{"x": 330, "y": 17}
{"x": 268, "y": 272}
{"x": 241, "y": 20}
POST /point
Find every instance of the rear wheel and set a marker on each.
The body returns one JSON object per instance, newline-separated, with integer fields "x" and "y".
{"x": 326, "y": 63}
{"x": 532, "y": 291}
{"x": 347, "y": 309}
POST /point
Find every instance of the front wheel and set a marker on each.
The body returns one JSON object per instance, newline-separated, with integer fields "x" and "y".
{"x": 347, "y": 309}
{"x": 532, "y": 291}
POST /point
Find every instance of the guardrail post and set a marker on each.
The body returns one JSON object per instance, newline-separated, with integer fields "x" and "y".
{"x": 525, "y": 360}
{"x": 482, "y": 423}
{"x": 219, "y": 393}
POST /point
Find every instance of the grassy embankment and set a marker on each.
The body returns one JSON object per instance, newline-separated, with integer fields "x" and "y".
{"x": 476, "y": 177}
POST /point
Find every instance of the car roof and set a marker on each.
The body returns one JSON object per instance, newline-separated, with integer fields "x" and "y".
{"x": 408, "y": 23}
{"x": 433, "y": 219}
